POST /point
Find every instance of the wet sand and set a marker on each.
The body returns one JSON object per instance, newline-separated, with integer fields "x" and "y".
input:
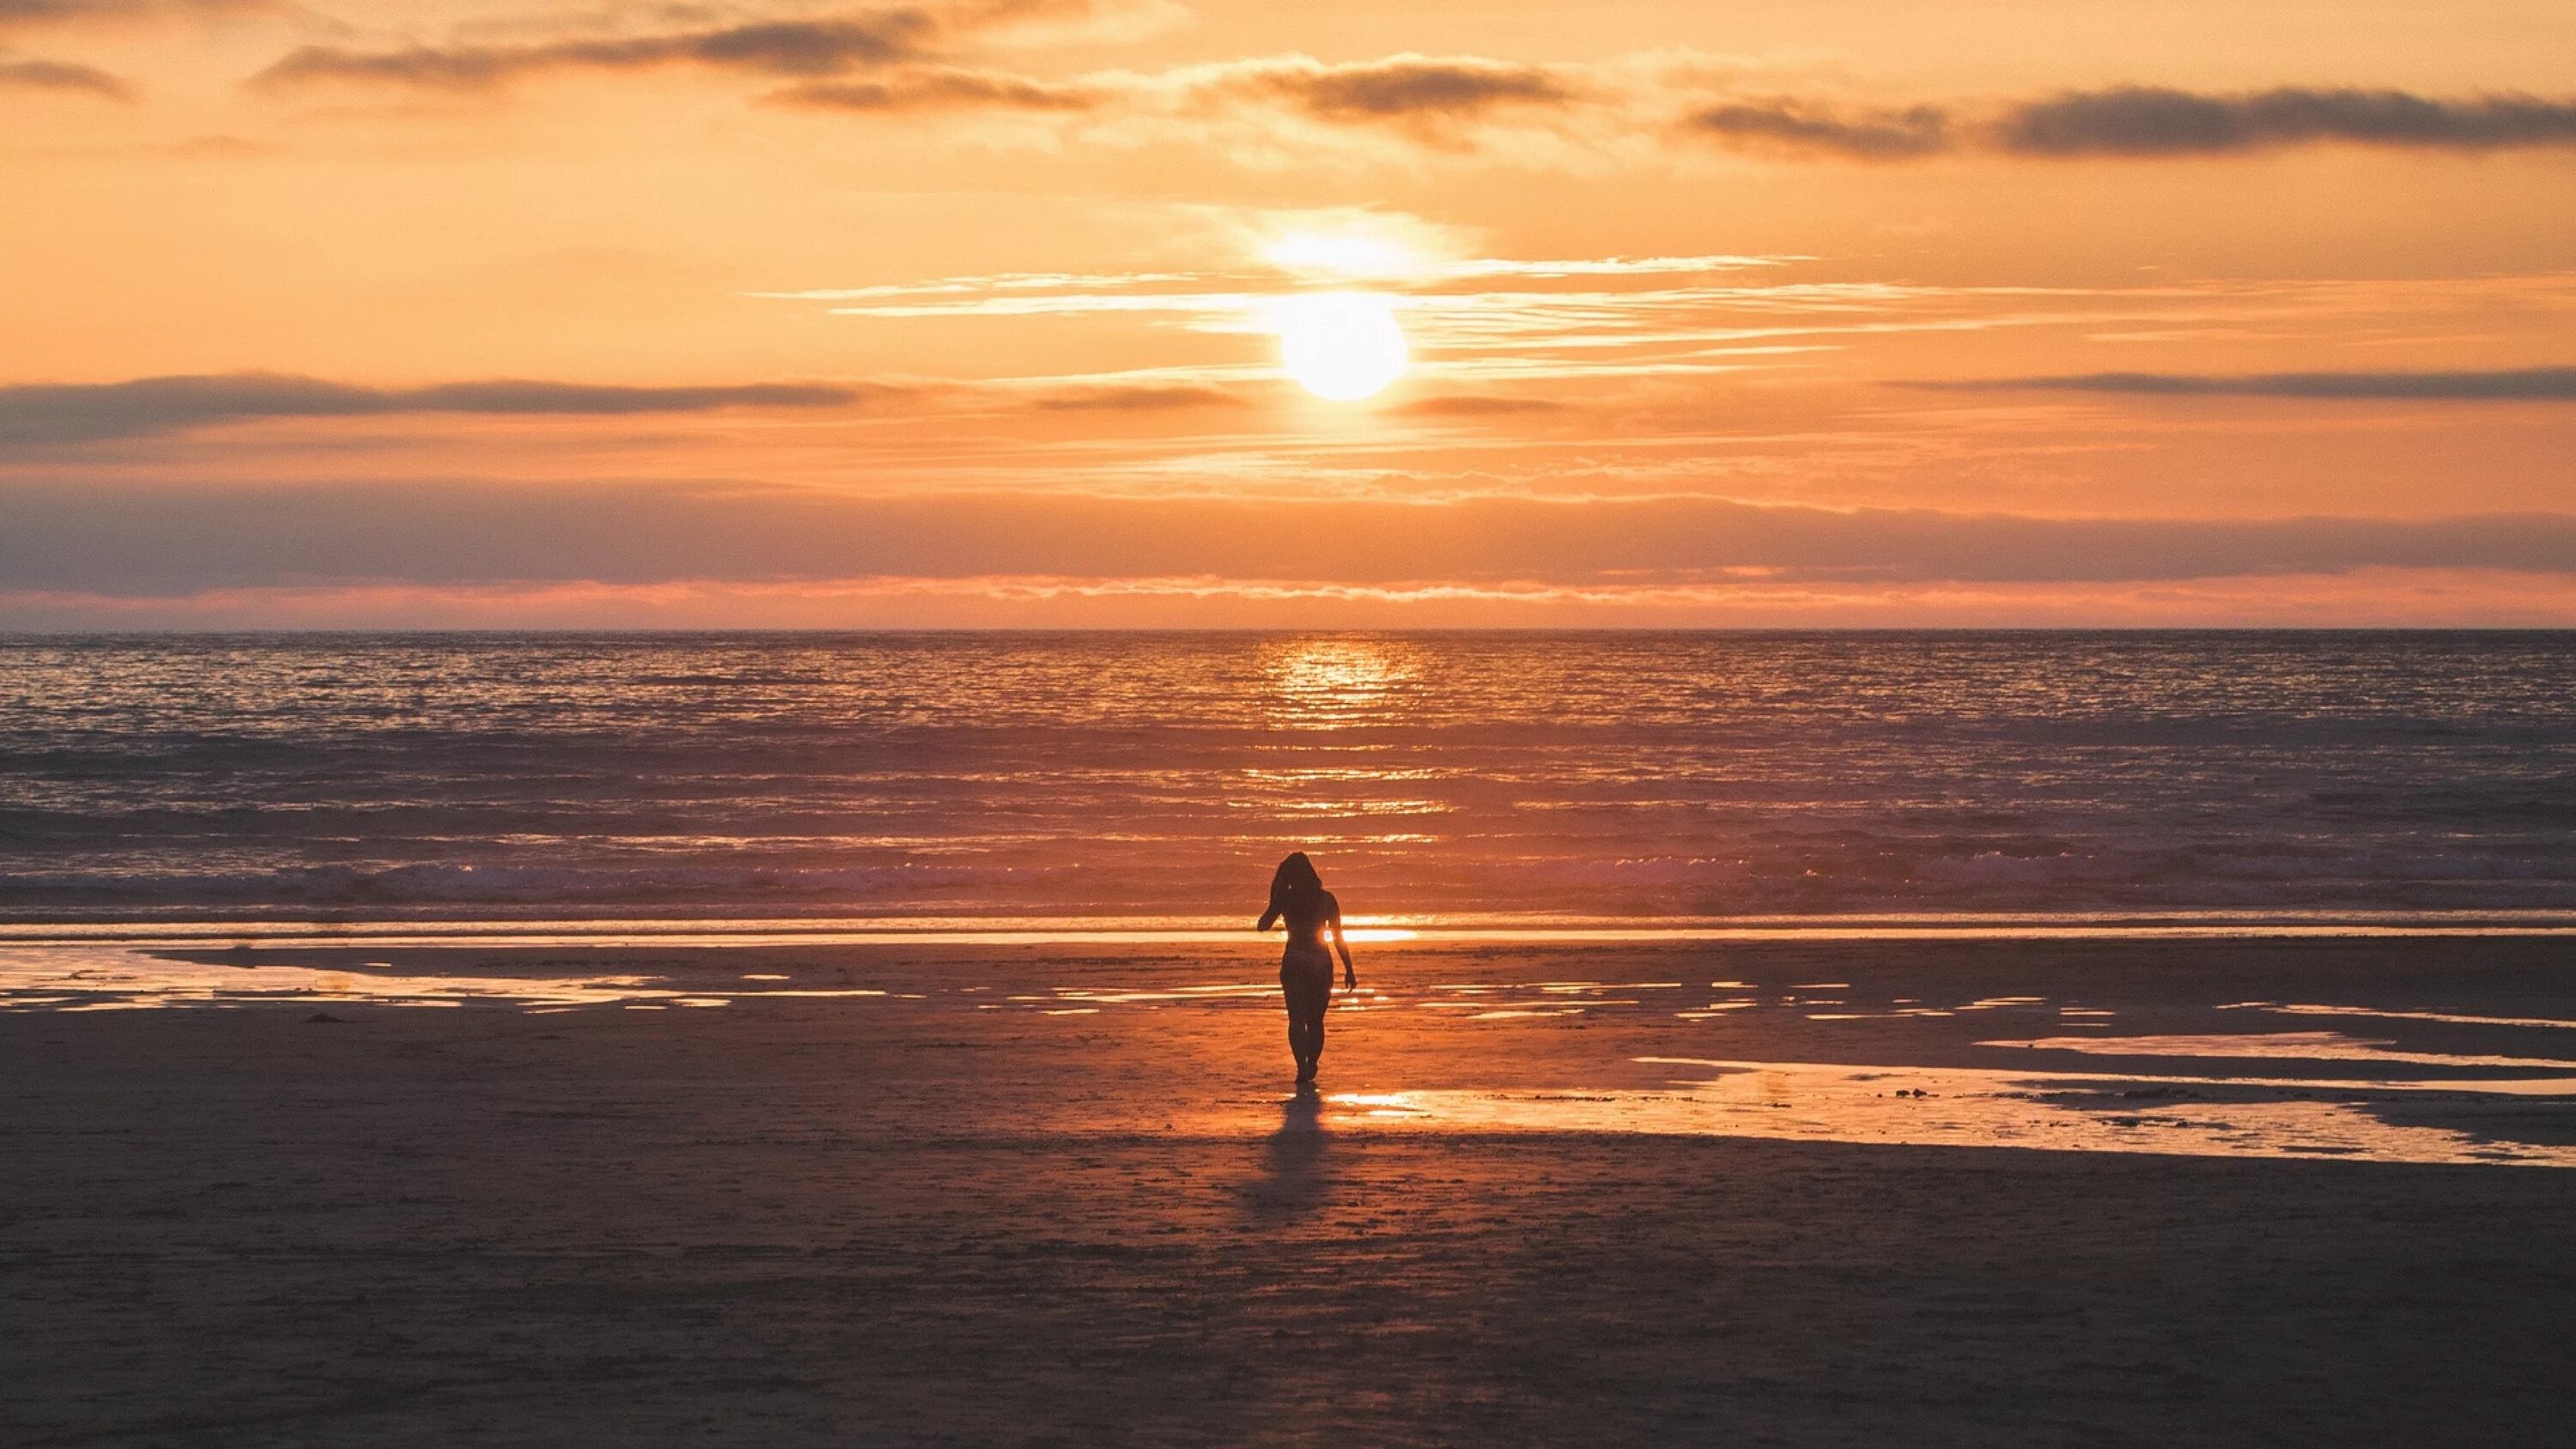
{"x": 1047, "y": 1195}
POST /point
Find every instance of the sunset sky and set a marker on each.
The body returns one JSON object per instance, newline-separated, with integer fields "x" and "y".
{"x": 1836, "y": 312}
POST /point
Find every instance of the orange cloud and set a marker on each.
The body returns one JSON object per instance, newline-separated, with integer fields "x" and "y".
{"x": 790, "y": 48}
{"x": 2143, "y": 121}
{"x": 54, "y": 75}
{"x": 38, "y": 414}
{"x": 2518, "y": 384}
{"x": 182, "y": 538}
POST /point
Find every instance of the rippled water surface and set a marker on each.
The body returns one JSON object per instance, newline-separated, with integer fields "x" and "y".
{"x": 1436, "y": 777}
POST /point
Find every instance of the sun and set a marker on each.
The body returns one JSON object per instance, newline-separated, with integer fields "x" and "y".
{"x": 1341, "y": 346}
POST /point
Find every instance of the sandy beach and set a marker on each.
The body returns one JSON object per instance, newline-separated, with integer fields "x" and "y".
{"x": 1061, "y": 1194}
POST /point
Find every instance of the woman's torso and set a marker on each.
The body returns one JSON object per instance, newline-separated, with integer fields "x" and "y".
{"x": 1308, "y": 916}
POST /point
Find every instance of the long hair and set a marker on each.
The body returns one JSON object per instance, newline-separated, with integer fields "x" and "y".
{"x": 1295, "y": 880}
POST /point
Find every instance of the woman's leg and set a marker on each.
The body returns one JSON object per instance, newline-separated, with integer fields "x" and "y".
{"x": 1292, "y": 991}
{"x": 1305, "y": 1015}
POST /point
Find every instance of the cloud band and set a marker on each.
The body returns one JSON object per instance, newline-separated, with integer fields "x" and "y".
{"x": 2524, "y": 384}
{"x": 177, "y": 539}
{"x": 145, "y": 407}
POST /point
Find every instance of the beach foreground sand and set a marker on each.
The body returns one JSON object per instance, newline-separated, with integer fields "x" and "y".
{"x": 1055, "y": 1194}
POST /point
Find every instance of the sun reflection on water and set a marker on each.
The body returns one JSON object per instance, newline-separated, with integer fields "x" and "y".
{"x": 1337, "y": 683}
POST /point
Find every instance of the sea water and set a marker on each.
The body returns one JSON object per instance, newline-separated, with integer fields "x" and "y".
{"x": 1437, "y": 778}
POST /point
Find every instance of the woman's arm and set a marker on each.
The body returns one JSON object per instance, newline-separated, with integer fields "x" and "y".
{"x": 1350, "y": 978}
{"x": 1268, "y": 916}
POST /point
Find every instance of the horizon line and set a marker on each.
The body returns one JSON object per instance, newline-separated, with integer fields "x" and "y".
{"x": 671, "y": 632}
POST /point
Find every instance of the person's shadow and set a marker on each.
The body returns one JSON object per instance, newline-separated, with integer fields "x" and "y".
{"x": 1294, "y": 1176}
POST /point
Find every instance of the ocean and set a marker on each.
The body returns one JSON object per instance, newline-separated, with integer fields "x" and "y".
{"x": 1437, "y": 778}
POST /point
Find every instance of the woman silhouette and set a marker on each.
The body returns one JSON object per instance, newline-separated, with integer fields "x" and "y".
{"x": 1306, "y": 970}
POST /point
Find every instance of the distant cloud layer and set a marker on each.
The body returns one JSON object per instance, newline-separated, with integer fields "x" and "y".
{"x": 941, "y": 88}
{"x": 52, "y": 75}
{"x": 1791, "y": 125}
{"x": 2153, "y": 121}
{"x": 891, "y": 52}
{"x": 2524, "y": 384}
{"x": 57, "y": 415}
{"x": 180, "y": 538}
{"x": 1399, "y": 87}
{"x": 1425, "y": 96}
{"x": 94, "y": 412}
{"x": 2147, "y": 121}
{"x": 16, "y": 14}
{"x": 1415, "y": 97}
{"x": 1475, "y": 405}
{"x": 1142, "y": 398}
{"x": 782, "y": 48}
{"x": 904, "y": 60}
{"x": 28, "y": 73}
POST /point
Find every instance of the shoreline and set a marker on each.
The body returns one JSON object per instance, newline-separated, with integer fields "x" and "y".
{"x": 146, "y": 930}
{"x": 2423, "y": 1048}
